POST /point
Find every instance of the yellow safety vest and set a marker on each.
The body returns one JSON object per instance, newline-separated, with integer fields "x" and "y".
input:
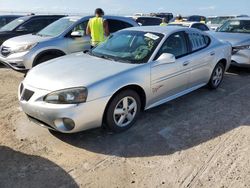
{"x": 163, "y": 24}
{"x": 97, "y": 30}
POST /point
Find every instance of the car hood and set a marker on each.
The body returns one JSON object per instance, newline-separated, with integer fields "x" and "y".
{"x": 25, "y": 39}
{"x": 235, "y": 39}
{"x": 73, "y": 71}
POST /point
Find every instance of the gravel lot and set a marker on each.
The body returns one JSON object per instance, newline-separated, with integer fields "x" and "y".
{"x": 199, "y": 140}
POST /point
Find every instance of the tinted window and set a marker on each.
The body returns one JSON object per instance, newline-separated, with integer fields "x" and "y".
{"x": 175, "y": 44}
{"x": 201, "y": 27}
{"x": 198, "y": 41}
{"x": 149, "y": 21}
{"x": 36, "y": 25}
{"x": 3, "y": 22}
{"x": 116, "y": 25}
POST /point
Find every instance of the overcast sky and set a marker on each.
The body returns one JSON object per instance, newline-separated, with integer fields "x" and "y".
{"x": 186, "y": 7}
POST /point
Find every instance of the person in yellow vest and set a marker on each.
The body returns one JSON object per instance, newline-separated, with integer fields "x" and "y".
{"x": 97, "y": 28}
{"x": 179, "y": 18}
{"x": 164, "y": 22}
{"x": 203, "y": 20}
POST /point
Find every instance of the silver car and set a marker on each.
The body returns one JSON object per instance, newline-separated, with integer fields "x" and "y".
{"x": 237, "y": 32}
{"x": 135, "y": 69}
{"x": 62, "y": 37}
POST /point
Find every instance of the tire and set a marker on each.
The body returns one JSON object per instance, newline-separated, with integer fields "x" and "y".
{"x": 45, "y": 58}
{"x": 124, "y": 118}
{"x": 217, "y": 76}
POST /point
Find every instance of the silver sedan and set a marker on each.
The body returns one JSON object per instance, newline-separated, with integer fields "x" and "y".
{"x": 135, "y": 69}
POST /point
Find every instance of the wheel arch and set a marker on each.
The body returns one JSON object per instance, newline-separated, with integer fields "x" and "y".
{"x": 138, "y": 89}
{"x": 48, "y": 52}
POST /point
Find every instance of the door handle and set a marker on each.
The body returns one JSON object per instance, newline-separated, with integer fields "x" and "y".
{"x": 186, "y": 63}
{"x": 212, "y": 53}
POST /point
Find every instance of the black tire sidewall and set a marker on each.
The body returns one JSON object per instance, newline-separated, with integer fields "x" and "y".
{"x": 109, "y": 121}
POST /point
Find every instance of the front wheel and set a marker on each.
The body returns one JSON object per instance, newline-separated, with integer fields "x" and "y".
{"x": 217, "y": 76}
{"x": 123, "y": 111}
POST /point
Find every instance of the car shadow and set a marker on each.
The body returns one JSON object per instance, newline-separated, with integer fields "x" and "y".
{"x": 178, "y": 125}
{"x": 21, "y": 170}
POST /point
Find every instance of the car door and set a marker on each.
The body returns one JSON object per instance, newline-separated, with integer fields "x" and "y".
{"x": 77, "y": 44}
{"x": 171, "y": 78}
{"x": 200, "y": 57}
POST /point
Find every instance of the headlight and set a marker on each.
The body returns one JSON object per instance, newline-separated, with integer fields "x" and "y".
{"x": 67, "y": 96}
{"x": 23, "y": 48}
{"x": 239, "y": 48}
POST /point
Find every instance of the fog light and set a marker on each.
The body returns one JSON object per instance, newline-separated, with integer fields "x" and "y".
{"x": 68, "y": 123}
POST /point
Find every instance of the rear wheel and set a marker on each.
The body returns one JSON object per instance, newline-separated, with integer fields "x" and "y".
{"x": 123, "y": 111}
{"x": 217, "y": 76}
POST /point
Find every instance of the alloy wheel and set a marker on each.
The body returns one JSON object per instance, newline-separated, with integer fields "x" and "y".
{"x": 217, "y": 76}
{"x": 125, "y": 111}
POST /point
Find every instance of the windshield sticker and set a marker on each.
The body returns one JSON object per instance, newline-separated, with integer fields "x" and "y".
{"x": 20, "y": 20}
{"x": 151, "y": 36}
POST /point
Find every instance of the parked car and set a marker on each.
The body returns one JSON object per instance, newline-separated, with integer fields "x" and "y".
{"x": 196, "y": 18}
{"x": 65, "y": 36}
{"x": 135, "y": 69}
{"x": 214, "y": 22}
{"x": 5, "y": 19}
{"x": 193, "y": 18}
{"x": 168, "y": 16}
{"x": 196, "y": 25}
{"x": 25, "y": 25}
{"x": 237, "y": 32}
{"x": 147, "y": 20}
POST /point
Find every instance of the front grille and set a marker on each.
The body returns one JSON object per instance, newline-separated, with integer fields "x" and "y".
{"x": 5, "y": 51}
{"x": 26, "y": 95}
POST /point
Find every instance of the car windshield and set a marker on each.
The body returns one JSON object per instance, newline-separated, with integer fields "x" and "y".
{"x": 129, "y": 46}
{"x": 12, "y": 25}
{"x": 235, "y": 26}
{"x": 217, "y": 20}
{"x": 57, "y": 27}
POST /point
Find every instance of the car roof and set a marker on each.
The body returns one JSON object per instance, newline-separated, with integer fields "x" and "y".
{"x": 154, "y": 17}
{"x": 40, "y": 16}
{"x": 241, "y": 18}
{"x": 11, "y": 15}
{"x": 159, "y": 29}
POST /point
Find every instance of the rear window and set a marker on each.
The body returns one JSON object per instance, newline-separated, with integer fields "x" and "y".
{"x": 148, "y": 21}
{"x": 198, "y": 41}
{"x": 116, "y": 25}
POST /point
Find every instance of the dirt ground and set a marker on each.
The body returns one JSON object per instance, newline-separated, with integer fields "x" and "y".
{"x": 199, "y": 140}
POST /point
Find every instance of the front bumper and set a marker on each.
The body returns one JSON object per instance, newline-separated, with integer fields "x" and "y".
{"x": 85, "y": 116}
{"x": 16, "y": 61}
{"x": 241, "y": 58}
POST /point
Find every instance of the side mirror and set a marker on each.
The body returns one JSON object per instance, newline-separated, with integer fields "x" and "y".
{"x": 21, "y": 29}
{"x": 166, "y": 58}
{"x": 77, "y": 34}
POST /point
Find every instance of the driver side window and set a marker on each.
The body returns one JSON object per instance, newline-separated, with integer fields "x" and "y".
{"x": 81, "y": 27}
{"x": 175, "y": 44}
